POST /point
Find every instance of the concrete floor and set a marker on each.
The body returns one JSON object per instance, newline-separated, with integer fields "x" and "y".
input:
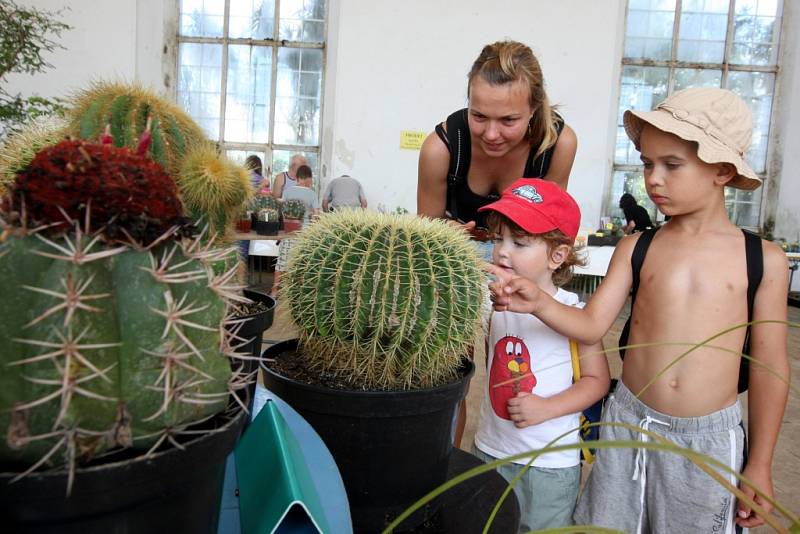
{"x": 786, "y": 470}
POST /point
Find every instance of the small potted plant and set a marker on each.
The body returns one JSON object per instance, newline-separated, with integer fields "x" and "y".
{"x": 293, "y": 212}
{"x": 267, "y": 221}
{"x": 244, "y": 224}
{"x": 387, "y": 306}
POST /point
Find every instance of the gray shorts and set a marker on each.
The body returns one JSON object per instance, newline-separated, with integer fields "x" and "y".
{"x": 546, "y": 495}
{"x": 636, "y": 490}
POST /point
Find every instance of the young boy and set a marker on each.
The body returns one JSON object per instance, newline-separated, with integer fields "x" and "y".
{"x": 693, "y": 284}
{"x": 530, "y": 397}
{"x": 303, "y": 192}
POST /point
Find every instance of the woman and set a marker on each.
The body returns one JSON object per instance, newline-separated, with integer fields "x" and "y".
{"x": 507, "y": 131}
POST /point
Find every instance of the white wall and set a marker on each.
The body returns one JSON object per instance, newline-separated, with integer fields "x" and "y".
{"x": 396, "y": 66}
{"x": 403, "y": 66}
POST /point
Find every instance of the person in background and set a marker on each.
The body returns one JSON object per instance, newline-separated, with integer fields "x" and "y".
{"x": 343, "y": 192}
{"x": 302, "y": 191}
{"x": 253, "y": 164}
{"x": 288, "y": 178}
{"x": 636, "y": 217}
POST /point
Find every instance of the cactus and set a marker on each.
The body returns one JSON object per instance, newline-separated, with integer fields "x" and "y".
{"x": 20, "y": 147}
{"x": 127, "y": 109}
{"x": 129, "y": 196}
{"x": 293, "y": 209}
{"x": 389, "y": 301}
{"x": 110, "y": 337}
{"x": 214, "y": 187}
{"x": 268, "y": 215}
{"x": 261, "y": 202}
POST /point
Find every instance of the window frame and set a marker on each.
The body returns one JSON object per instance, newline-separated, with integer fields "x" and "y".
{"x": 274, "y": 44}
{"x": 725, "y": 67}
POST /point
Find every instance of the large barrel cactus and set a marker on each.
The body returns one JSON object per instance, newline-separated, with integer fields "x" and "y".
{"x": 389, "y": 301}
{"x": 111, "y": 317}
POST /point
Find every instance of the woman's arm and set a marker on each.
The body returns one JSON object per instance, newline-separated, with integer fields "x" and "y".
{"x": 563, "y": 157}
{"x": 434, "y": 162}
{"x": 277, "y": 187}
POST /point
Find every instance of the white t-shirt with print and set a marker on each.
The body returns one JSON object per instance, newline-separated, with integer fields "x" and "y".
{"x": 519, "y": 343}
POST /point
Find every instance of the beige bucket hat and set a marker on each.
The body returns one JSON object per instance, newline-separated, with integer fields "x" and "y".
{"x": 716, "y": 119}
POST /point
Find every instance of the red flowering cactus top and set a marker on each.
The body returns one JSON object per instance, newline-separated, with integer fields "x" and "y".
{"x": 120, "y": 189}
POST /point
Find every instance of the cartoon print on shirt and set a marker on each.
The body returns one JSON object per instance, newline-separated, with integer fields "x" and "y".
{"x": 511, "y": 360}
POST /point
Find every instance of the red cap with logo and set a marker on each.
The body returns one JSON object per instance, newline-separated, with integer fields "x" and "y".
{"x": 539, "y": 206}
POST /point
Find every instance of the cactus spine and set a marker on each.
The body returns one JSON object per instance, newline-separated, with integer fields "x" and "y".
{"x": 391, "y": 300}
{"x": 294, "y": 209}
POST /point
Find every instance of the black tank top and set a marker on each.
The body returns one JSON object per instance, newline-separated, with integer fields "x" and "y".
{"x": 462, "y": 203}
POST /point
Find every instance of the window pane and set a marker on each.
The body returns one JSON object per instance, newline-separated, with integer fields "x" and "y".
{"x": 280, "y": 162}
{"x": 303, "y": 20}
{"x": 297, "y": 98}
{"x": 247, "y": 100}
{"x": 200, "y": 84}
{"x": 756, "y": 32}
{"x": 648, "y": 31}
{"x": 743, "y": 206}
{"x": 642, "y": 89}
{"x": 252, "y": 19}
{"x": 631, "y": 182}
{"x": 685, "y": 78}
{"x": 756, "y": 89}
{"x": 202, "y": 18}
{"x": 704, "y": 24}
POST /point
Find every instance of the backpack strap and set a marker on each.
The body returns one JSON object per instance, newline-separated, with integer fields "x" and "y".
{"x": 637, "y": 260}
{"x": 755, "y": 272}
{"x": 456, "y": 139}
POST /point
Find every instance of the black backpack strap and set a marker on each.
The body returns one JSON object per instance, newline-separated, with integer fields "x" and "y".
{"x": 637, "y": 260}
{"x": 457, "y": 141}
{"x": 755, "y": 272}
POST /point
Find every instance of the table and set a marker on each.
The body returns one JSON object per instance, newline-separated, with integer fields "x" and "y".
{"x": 587, "y": 278}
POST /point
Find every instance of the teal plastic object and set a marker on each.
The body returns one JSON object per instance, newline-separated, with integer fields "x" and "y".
{"x": 277, "y": 492}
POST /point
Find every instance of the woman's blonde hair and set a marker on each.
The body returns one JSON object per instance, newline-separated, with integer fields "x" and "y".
{"x": 496, "y": 222}
{"x": 508, "y": 61}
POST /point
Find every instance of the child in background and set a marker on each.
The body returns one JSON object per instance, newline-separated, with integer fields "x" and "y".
{"x": 692, "y": 285}
{"x": 303, "y": 192}
{"x": 530, "y": 397}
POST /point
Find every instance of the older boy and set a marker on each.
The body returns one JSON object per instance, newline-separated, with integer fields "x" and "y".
{"x": 693, "y": 284}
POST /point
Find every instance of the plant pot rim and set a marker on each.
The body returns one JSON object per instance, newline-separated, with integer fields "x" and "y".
{"x": 60, "y": 472}
{"x": 466, "y": 371}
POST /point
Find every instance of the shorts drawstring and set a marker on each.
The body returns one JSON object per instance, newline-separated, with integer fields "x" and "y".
{"x": 641, "y": 463}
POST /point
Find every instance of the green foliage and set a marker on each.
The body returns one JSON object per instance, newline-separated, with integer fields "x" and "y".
{"x": 24, "y": 42}
{"x": 388, "y": 301}
{"x": 121, "y": 348}
{"x": 294, "y": 209}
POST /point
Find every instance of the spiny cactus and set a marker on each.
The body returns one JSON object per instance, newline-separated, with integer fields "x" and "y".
{"x": 127, "y": 109}
{"x": 106, "y": 342}
{"x": 268, "y": 215}
{"x": 129, "y": 196}
{"x": 213, "y": 187}
{"x": 294, "y": 209}
{"x": 20, "y": 147}
{"x": 392, "y": 301}
{"x": 261, "y": 202}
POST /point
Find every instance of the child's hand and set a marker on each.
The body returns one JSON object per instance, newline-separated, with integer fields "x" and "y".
{"x": 761, "y": 478}
{"x": 513, "y": 293}
{"x": 527, "y": 409}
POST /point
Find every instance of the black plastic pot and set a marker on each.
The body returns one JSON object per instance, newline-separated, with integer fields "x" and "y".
{"x": 391, "y": 447}
{"x": 267, "y": 228}
{"x": 173, "y": 492}
{"x": 252, "y": 329}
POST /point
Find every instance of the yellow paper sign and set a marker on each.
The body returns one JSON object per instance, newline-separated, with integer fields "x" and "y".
{"x": 411, "y": 140}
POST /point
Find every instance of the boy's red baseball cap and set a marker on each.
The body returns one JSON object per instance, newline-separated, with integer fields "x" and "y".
{"x": 539, "y": 206}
